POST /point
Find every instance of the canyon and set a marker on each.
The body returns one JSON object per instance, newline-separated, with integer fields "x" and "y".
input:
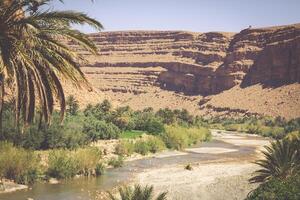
{"x": 253, "y": 72}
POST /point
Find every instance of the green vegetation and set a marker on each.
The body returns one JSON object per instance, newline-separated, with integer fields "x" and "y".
{"x": 34, "y": 57}
{"x": 125, "y": 148}
{"x": 281, "y": 161}
{"x": 142, "y": 132}
{"x": 66, "y": 164}
{"x": 148, "y": 144}
{"x": 137, "y": 193}
{"x": 276, "y": 128}
{"x": 61, "y": 164}
{"x": 277, "y": 189}
{"x": 18, "y": 164}
{"x": 188, "y": 167}
{"x": 280, "y": 171}
{"x": 116, "y": 162}
{"x": 131, "y": 134}
{"x": 177, "y": 137}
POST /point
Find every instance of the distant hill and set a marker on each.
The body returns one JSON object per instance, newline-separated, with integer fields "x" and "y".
{"x": 254, "y": 72}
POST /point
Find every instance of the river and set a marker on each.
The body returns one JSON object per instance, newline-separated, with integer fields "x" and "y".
{"x": 225, "y": 146}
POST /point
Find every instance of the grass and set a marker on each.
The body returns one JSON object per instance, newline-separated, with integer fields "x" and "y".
{"x": 177, "y": 137}
{"x": 116, "y": 162}
{"x": 18, "y": 164}
{"x": 131, "y": 134}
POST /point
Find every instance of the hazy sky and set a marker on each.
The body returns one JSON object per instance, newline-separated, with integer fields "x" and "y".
{"x": 192, "y": 15}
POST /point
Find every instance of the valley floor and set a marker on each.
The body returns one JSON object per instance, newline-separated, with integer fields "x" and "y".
{"x": 225, "y": 177}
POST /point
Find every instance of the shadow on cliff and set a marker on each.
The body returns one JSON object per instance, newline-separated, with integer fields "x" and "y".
{"x": 267, "y": 84}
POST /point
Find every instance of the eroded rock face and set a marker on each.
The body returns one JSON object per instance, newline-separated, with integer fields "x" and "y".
{"x": 204, "y": 63}
{"x": 269, "y": 56}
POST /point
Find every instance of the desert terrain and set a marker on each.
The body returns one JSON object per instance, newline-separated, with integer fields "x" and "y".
{"x": 254, "y": 72}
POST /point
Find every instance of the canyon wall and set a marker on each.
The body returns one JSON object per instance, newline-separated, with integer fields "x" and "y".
{"x": 205, "y": 63}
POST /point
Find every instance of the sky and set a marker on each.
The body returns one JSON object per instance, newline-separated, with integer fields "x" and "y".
{"x": 189, "y": 15}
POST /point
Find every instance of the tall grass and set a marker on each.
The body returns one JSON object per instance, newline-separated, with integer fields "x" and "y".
{"x": 18, "y": 164}
{"x": 142, "y": 146}
{"x": 63, "y": 164}
{"x": 178, "y": 137}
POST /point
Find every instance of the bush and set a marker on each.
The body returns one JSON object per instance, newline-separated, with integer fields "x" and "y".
{"x": 175, "y": 137}
{"x": 188, "y": 167}
{"x": 100, "y": 169}
{"x": 33, "y": 138}
{"x": 277, "y": 189}
{"x": 61, "y": 164}
{"x": 141, "y": 146}
{"x": 155, "y": 144}
{"x": 124, "y": 148}
{"x": 178, "y": 137}
{"x": 97, "y": 130}
{"x": 18, "y": 164}
{"x": 72, "y": 105}
{"x": 146, "y": 121}
{"x": 116, "y": 162}
{"x": 274, "y": 132}
{"x": 87, "y": 160}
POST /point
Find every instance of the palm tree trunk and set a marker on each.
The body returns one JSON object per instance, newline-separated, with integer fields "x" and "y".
{"x": 1, "y": 103}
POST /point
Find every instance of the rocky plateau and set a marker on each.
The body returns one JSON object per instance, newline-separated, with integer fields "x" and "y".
{"x": 255, "y": 71}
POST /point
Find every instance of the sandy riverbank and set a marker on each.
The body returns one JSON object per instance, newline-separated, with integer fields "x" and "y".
{"x": 221, "y": 179}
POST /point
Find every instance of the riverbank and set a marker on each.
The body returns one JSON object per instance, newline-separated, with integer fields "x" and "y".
{"x": 8, "y": 186}
{"x": 223, "y": 178}
{"x": 223, "y": 164}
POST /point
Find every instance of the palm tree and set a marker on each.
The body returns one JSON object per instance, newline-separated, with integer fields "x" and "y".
{"x": 282, "y": 160}
{"x": 34, "y": 56}
{"x": 137, "y": 193}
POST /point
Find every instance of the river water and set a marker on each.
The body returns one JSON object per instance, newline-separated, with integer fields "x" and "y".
{"x": 86, "y": 188}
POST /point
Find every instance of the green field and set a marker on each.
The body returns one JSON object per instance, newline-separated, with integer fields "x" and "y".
{"x": 131, "y": 134}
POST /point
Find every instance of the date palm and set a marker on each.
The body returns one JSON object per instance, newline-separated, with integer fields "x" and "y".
{"x": 282, "y": 160}
{"x": 137, "y": 193}
{"x": 34, "y": 56}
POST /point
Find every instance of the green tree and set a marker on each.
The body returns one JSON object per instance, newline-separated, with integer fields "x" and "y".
{"x": 33, "y": 54}
{"x": 72, "y": 105}
{"x": 167, "y": 116}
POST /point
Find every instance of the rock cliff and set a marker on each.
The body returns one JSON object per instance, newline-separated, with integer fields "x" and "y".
{"x": 144, "y": 68}
{"x": 205, "y": 63}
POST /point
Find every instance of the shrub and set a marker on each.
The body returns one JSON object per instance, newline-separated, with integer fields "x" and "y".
{"x": 197, "y": 134}
{"x": 70, "y": 135}
{"x": 281, "y": 160}
{"x": 146, "y": 121}
{"x": 87, "y": 160}
{"x": 253, "y": 129}
{"x": 167, "y": 115}
{"x": 96, "y": 130}
{"x": 116, "y": 162}
{"x": 277, "y": 189}
{"x": 177, "y": 137}
{"x": 18, "y": 164}
{"x": 100, "y": 169}
{"x": 141, "y": 146}
{"x": 72, "y": 105}
{"x": 61, "y": 164}
{"x": 124, "y": 148}
{"x": 155, "y": 144}
{"x": 188, "y": 167}
{"x": 33, "y": 138}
